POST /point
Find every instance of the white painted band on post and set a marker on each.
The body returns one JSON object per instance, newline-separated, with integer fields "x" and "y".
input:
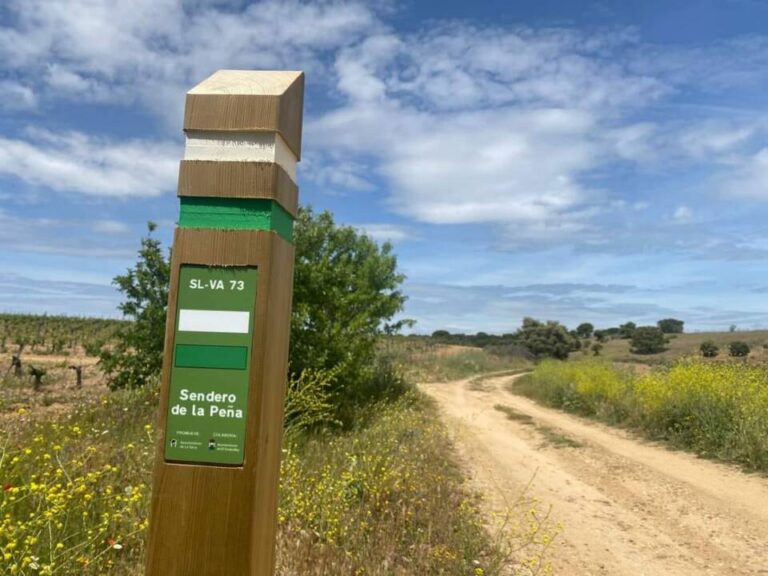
{"x": 240, "y": 147}
{"x": 222, "y": 321}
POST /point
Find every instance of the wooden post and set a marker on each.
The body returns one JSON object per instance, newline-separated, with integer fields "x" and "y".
{"x": 214, "y": 499}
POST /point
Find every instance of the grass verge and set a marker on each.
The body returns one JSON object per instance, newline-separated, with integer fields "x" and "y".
{"x": 716, "y": 409}
{"x": 390, "y": 499}
{"x": 385, "y": 498}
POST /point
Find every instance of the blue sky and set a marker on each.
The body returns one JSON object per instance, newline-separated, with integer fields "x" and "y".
{"x": 599, "y": 161}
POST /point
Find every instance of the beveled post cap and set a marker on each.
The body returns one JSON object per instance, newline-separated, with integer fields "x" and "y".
{"x": 249, "y": 101}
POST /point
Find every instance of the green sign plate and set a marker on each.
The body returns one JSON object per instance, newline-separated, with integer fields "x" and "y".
{"x": 210, "y": 376}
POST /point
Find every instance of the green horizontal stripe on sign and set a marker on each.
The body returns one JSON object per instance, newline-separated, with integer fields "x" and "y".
{"x": 236, "y": 214}
{"x": 224, "y": 357}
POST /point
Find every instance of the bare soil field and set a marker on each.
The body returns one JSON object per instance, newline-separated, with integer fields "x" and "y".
{"x": 628, "y": 507}
{"x": 59, "y": 391}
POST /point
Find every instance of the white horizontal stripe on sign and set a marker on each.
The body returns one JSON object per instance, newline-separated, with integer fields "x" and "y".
{"x": 229, "y": 322}
{"x": 240, "y": 147}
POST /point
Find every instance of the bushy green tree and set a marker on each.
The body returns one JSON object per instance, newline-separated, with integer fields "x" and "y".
{"x": 627, "y": 330}
{"x": 585, "y": 329}
{"x": 671, "y": 326}
{"x": 137, "y": 355}
{"x": 346, "y": 294}
{"x": 648, "y": 340}
{"x": 738, "y": 349}
{"x": 601, "y": 336}
{"x": 545, "y": 339}
{"x": 709, "y": 349}
{"x": 576, "y": 344}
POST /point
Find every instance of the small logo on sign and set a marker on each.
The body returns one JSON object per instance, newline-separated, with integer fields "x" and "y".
{"x": 173, "y": 442}
{"x": 211, "y": 444}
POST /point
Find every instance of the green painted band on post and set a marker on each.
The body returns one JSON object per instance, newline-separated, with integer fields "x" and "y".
{"x": 236, "y": 214}
{"x": 199, "y": 356}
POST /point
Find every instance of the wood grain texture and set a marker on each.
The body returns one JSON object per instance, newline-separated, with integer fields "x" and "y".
{"x": 208, "y": 520}
{"x": 238, "y": 180}
{"x": 246, "y": 111}
{"x": 291, "y": 117}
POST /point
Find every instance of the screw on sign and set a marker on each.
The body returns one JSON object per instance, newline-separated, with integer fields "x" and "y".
{"x": 214, "y": 500}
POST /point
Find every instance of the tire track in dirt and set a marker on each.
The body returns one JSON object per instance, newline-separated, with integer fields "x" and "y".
{"x": 629, "y": 507}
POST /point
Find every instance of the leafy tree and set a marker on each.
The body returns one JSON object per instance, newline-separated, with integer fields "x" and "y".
{"x": 601, "y": 336}
{"x": 626, "y": 331}
{"x": 441, "y": 334}
{"x": 550, "y": 339}
{"x": 576, "y": 341}
{"x": 648, "y": 340}
{"x": 596, "y": 349}
{"x": 137, "y": 356}
{"x": 346, "y": 293}
{"x": 709, "y": 349}
{"x": 670, "y": 326}
{"x": 738, "y": 349}
{"x": 585, "y": 330}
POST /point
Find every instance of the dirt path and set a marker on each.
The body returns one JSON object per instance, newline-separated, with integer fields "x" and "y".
{"x": 628, "y": 507}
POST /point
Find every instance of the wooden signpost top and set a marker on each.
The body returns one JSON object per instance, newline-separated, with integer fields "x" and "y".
{"x": 238, "y": 100}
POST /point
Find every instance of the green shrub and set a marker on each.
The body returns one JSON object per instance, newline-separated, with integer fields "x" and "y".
{"x": 738, "y": 349}
{"x": 671, "y": 326}
{"x": 545, "y": 339}
{"x": 709, "y": 349}
{"x": 137, "y": 356}
{"x": 647, "y": 340}
{"x": 585, "y": 330}
{"x": 346, "y": 294}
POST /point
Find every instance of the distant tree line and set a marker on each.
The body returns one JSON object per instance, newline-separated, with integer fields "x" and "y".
{"x": 536, "y": 339}
{"x": 551, "y": 339}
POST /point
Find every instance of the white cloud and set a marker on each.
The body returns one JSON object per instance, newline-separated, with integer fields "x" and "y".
{"x": 634, "y": 142}
{"x": 335, "y": 172}
{"x": 474, "y": 167}
{"x": 385, "y": 232}
{"x": 59, "y": 237}
{"x": 110, "y": 227}
{"x": 714, "y": 138}
{"x": 724, "y": 66}
{"x": 155, "y": 50}
{"x": 750, "y": 178}
{"x": 63, "y": 295}
{"x": 509, "y": 127}
{"x": 461, "y": 67}
{"x": 682, "y": 215}
{"x": 76, "y": 162}
{"x": 463, "y": 123}
{"x": 488, "y": 126}
{"x": 15, "y": 96}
